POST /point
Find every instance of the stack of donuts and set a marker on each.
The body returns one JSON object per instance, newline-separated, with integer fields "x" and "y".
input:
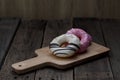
{"x": 73, "y": 41}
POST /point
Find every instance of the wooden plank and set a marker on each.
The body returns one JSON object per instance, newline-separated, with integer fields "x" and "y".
{"x": 59, "y": 9}
{"x": 36, "y": 9}
{"x": 53, "y": 29}
{"x": 99, "y": 68}
{"x": 81, "y": 10}
{"x": 110, "y": 10}
{"x": 28, "y": 38}
{"x": 111, "y": 30}
{"x": 7, "y": 30}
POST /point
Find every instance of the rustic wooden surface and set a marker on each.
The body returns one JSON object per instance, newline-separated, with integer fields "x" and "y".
{"x": 26, "y": 36}
{"x": 7, "y": 30}
{"x": 111, "y": 31}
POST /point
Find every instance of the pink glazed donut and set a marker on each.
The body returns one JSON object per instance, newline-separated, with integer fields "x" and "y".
{"x": 85, "y": 38}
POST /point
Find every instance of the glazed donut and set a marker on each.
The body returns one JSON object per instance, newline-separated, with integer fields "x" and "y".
{"x": 72, "y": 47}
{"x": 85, "y": 38}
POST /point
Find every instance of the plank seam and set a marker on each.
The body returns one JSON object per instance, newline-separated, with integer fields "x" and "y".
{"x": 75, "y": 66}
{"x": 43, "y": 35}
{"x": 41, "y": 45}
{"x": 101, "y": 26}
{"x": 11, "y": 41}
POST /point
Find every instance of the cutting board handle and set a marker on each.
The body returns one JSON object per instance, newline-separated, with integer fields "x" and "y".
{"x": 27, "y": 65}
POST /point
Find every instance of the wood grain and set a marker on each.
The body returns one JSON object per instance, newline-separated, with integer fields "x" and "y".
{"x": 108, "y": 9}
{"x": 53, "y": 29}
{"x": 85, "y": 8}
{"x": 59, "y": 9}
{"x": 97, "y": 69}
{"x": 36, "y": 9}
{"x": 111, "y": 30}
{"x": 28, "y": 38}
{"x": 7, "y": 30}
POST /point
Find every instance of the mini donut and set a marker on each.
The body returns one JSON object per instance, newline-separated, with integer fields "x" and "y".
{"x": 85, "y": 38}
{"x": 72, "y": 47}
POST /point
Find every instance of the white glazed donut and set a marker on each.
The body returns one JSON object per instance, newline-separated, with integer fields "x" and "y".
{"x": 72, "y": 47}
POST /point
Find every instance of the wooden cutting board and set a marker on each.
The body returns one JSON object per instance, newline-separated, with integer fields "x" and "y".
{"x": 45, "y": 58}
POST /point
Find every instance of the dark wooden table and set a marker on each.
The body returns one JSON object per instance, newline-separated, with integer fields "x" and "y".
{"x": 19, "y": 39}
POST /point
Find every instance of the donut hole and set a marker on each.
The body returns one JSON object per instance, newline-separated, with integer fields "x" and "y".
{"x": 64, "y": 44}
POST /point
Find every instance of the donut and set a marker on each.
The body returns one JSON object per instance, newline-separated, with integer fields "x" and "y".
{"x": 72, "y": 47}
{"x": 85, "y": 38}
